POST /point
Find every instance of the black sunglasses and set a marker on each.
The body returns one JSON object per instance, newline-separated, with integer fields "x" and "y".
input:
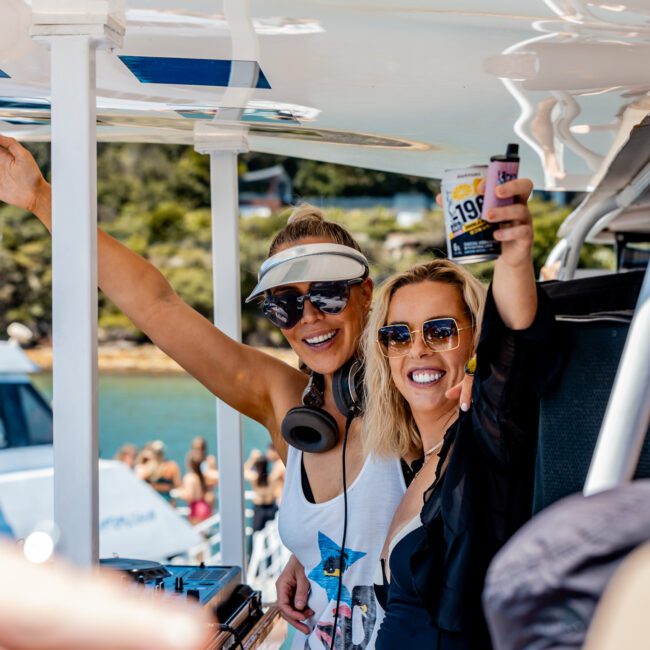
{"x": 438, "y": 334}
{"x": 285, "y": 309}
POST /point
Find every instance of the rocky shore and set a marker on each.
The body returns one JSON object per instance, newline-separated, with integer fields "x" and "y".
{"x": 140, "y": 358}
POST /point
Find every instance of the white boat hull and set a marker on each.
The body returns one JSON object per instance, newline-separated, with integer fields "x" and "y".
{"x": 134, "y": 521}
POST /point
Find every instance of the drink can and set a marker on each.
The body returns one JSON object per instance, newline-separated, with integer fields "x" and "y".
{"x": 469, "y": 238}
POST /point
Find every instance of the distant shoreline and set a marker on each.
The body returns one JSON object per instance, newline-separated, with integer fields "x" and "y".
{"x": 145, "y": 358}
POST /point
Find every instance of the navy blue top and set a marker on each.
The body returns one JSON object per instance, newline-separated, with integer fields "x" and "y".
{"x": 404, "y": 603}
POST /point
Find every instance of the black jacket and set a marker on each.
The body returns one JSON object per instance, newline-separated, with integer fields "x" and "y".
{"x": 483, "y": 489}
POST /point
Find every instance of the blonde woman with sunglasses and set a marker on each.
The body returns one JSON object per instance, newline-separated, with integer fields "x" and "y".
{"x": 472, "y": 468}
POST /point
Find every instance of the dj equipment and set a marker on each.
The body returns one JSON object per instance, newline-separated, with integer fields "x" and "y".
{"x": 211, "y": 586}
{"x": 309, "y": 427}
{"x": 236, "y": 607}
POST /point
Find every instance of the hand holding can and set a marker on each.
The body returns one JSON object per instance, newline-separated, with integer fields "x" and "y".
{"x": 470, "y": 234}
{"x": 501, "y": 169}
{"x": 513, "y": 222}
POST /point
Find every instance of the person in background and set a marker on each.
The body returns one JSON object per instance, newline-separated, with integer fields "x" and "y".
{"x": 199, "y": 447}
{"x": 127, "y": 454}
{"x": 144, "y": 463}
{"x": 278, "y": 471}
{"x": 163, "y": 475}
{"x": 258, "y": 470}
{"x": 195, "y": 491}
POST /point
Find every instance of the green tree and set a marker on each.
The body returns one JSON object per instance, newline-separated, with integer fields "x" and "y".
{"x": 155, "y": 199}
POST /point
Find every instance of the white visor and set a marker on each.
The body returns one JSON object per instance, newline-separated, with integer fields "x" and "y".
{"x": 310, "y": 263}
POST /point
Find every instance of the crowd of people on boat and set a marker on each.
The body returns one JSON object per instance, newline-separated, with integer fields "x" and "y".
{"x": 196, "y": 487}
{"x": 407, "y": 441}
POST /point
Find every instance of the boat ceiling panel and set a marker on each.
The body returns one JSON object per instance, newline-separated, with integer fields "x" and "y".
{"x": 413, "y": 87}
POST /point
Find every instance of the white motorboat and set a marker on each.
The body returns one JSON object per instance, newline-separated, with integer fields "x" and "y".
{"x": 134, "y": 521}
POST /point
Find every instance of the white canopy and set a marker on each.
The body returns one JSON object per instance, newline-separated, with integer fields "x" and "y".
{"x": 412, "y": 86}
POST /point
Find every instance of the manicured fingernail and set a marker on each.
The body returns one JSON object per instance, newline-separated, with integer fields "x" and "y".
{"x": 464, "y": 407}
{"x": 300, "y": 604}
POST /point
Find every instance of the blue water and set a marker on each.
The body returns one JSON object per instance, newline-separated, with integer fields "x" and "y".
{"x": 136, "y": 409}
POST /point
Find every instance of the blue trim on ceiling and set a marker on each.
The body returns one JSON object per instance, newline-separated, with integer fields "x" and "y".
{"x": 197, "y": 115}
{"x": 25, "y": 121}
{"x": 4, "y": 75}
{"x": 8, "y": 102}
{"x": 190, "y": 72}
{"x": 265, "y": 116}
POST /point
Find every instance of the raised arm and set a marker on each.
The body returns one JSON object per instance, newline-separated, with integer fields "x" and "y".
{"x": 252, "y": 382}
{"x": 518, "y": 355}
{"x": 250, "y": 474}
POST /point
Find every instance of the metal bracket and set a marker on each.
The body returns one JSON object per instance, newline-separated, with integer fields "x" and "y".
{"x": 216, "y": 136}
{"x": 102, "y": 20}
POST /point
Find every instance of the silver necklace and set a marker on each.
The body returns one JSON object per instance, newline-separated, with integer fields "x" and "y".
{"x": 435, "y": 447}
{"x": 427, "y": 455}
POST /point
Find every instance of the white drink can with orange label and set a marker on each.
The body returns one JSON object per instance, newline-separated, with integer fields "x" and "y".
{"x": 469, "y": 238}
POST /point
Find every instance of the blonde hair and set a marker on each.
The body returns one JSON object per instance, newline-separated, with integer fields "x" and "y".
{"x": 307, "y": 220}
{"x": 388, "y": 424}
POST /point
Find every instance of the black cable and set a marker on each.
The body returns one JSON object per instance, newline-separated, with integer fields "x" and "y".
{"x": 351, "y": 415}
{"x": 224, "y": 627}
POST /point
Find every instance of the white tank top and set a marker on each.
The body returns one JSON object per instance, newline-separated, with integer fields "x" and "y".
{"x": 313, "y": 532}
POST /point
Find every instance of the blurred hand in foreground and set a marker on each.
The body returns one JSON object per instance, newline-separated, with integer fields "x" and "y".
{"x": 57, "y": 607}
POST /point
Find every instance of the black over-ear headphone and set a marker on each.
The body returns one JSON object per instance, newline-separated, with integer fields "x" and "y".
{"x": 311, "y": 428}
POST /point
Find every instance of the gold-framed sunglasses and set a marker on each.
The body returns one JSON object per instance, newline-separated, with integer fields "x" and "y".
{"x": 438, "y": 334}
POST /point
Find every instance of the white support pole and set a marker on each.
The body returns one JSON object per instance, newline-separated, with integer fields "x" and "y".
{"x": 223, "y": 138}
{"x": 74, "y": 30}
{"x": 227, "y": 308}
{"x": 74, "y": 297}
